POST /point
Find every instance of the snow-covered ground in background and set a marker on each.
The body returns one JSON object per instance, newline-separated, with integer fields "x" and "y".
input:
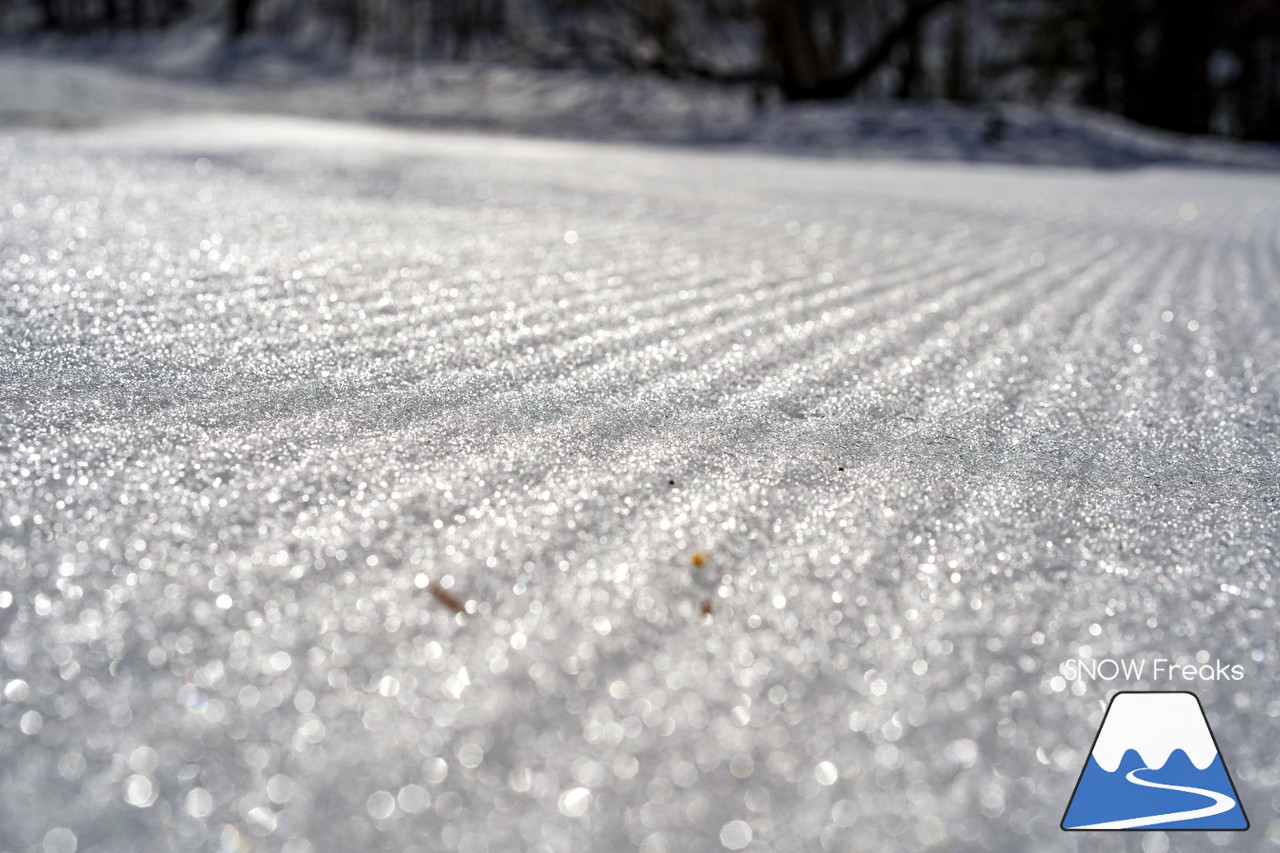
{"x": 278, "y": 395}
{"x": 61, "y": 82}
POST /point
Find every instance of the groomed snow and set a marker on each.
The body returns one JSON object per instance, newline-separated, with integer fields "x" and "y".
{"x": 273, "y": 409}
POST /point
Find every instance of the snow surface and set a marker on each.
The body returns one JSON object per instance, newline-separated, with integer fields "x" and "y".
{"x": 1154, "y": 725}
{"x": 280, "y": 396}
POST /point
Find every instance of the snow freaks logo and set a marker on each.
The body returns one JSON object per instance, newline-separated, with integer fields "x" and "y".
{"x": 1160, "y": 669}
{"x": 1155, "y": 765}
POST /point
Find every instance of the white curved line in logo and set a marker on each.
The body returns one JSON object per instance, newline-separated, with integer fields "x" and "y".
{"x": 1221, "y": 803}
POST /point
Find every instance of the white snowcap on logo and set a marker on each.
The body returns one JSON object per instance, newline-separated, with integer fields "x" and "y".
{"x": 1154, "y": 724}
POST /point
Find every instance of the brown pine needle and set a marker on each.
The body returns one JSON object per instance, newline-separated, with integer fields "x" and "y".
{"x": 447, "y": 598}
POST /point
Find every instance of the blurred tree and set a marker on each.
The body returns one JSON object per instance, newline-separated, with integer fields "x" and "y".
{"x": 52, "y": 15}
{"x": 355, "y": 18}
{"x": 802, "y": 42}
{"x": 807, "y": 60}
{"x": 1176, "y": 77}
{"x": 1187, "y": 65}
{"x": 241, "y": 18}
{"x": 1153, "y": 60}
{"x": 1252, "y": 39}
{"x": 957, "y": 61}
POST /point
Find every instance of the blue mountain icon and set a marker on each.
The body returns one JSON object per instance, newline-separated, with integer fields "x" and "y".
{"x": 1155, "y": 765}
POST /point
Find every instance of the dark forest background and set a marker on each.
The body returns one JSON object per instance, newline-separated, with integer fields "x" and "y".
{"x": 1196, "y": 66}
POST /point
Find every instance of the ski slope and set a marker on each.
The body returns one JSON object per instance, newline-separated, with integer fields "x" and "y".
{"x": 374, "y": 490}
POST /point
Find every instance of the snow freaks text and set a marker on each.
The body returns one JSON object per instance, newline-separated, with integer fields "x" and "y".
{"x": 1155, "y": 669}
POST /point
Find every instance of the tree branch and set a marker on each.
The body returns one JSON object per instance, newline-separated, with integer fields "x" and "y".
{"x": 845, "y": 84}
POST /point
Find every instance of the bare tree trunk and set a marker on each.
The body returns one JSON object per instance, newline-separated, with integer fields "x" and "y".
{"x": 1129, "y": 94}
{"x": 1178, "y": 85}
{"x": 407, "y": 32}
{"x": 73, "y": 16}
{"x": 241, "y": 18}
{"x": 464, "y": 28}
{"x": 827, "y": 84}
{"x": 355, "y": 22}
{"x": 958, "y": 54}
{"x": 52, "y": 14}
{"x": 1258, "y": 109}
{"x": 793, "y": 47}
{"x": 495, "y": 18}
{"x": 909, "y": 72}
